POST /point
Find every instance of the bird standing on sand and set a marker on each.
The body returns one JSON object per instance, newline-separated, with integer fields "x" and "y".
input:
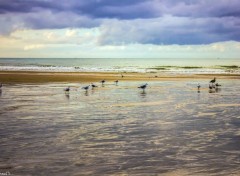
{"x": 67, "y": 89}
{"x": 0, "y": 88}
{"x": 93, "y": 85}
{"x": 143, "y": 87}
{"x": 103, "y": 81}
{"x": 86, "y": 87}
{"x": 116, "y": 82}
{"x": 212, "y": 86}
{"x": 198, "y": 86}
{"x": 213, "y": 80}
{"x": 217, "y": 85}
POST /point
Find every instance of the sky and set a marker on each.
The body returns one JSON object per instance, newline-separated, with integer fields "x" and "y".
{"x": 120, "y": 28}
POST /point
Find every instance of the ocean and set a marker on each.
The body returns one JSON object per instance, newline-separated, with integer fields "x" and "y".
{"x": 184, "y": 66}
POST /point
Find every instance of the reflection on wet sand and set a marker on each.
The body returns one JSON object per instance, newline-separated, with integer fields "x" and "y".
{"x": 143, "y": 94}
{"x": 119, "y": 130}
{"x": 86, "y": 93}
{"x": 67, "y": 95}
{"x": 218, "y": 89}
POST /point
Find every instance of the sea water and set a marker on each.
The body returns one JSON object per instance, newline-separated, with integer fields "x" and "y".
{"x": 185, "y": 66}
{"x": 171, "y": 128}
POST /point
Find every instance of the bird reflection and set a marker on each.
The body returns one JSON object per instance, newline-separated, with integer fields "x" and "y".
{"x": 218, "y": 89}
{"x": 86, "y": 93}
{"x": 67, "y": 95}
{"x": 92, "y": 91}
{"x": 211, "y": 91}
{"x": 143, "y": 94}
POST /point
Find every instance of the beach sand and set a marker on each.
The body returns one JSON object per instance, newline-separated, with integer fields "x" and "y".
{"x": 169, "y": 129}
{"x": 40, "y": 77}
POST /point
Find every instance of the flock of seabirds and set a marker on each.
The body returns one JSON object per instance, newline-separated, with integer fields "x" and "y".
{"x": 212, "y": 85}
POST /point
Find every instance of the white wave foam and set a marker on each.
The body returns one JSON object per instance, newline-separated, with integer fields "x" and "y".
{"x": 68, "y": 69}
{"x": 117, "y": 69}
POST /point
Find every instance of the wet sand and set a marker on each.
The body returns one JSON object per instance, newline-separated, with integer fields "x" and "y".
{"x": 170, "y": 129}
{"x": 41, "y": 77}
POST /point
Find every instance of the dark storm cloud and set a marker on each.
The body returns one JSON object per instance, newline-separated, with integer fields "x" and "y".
{"x": 127, "y": 9}
{"x": 171, "y": 30}
{"x": 129, "y": 21}
{"x": 124, "y": 9}
{"x": 116, "y": 9}
{"x": 25, "y": 6}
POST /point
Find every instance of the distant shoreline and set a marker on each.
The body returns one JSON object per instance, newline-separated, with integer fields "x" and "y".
{"x": 140, "y": 65}
{"x": 45, "y": 77}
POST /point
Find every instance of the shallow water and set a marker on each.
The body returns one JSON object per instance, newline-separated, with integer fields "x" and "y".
{"x": 170, "y": 129}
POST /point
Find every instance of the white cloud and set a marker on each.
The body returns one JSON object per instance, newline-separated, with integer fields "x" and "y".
{"x": 60, "y": 36}
{"x": 31, "y": 47}
{"x": 167, "y": 30}
{"x": 84, "y": 43}
{"x": 71, "y": 33}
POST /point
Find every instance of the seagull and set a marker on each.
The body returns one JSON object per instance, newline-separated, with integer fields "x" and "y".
{"x": 93, "y": 85}
{"x": 213, "y": 81}
{"x": 86, "y": 87}
{"x": 198, "y": 86}
{"x": 1, "y": 89}
{"x": 143, "y": 87}
{"x": 116, "y": 82}
{"x": 218, "y": 85}
{"x": 103, "y": 81}
{"x": 67, "y": 89}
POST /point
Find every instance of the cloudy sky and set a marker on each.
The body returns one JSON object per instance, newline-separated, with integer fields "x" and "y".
{"x": 120, "y": 28}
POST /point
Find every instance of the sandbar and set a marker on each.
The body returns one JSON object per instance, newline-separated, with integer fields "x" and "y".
{"x": 45, "y": 77}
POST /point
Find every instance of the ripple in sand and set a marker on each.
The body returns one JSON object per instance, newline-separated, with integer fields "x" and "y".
{"x": 223, "y": 105}
{"x": 155, "y": 103}
{"x": 206, "y": 114}
{"x": 118, "y": 131}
